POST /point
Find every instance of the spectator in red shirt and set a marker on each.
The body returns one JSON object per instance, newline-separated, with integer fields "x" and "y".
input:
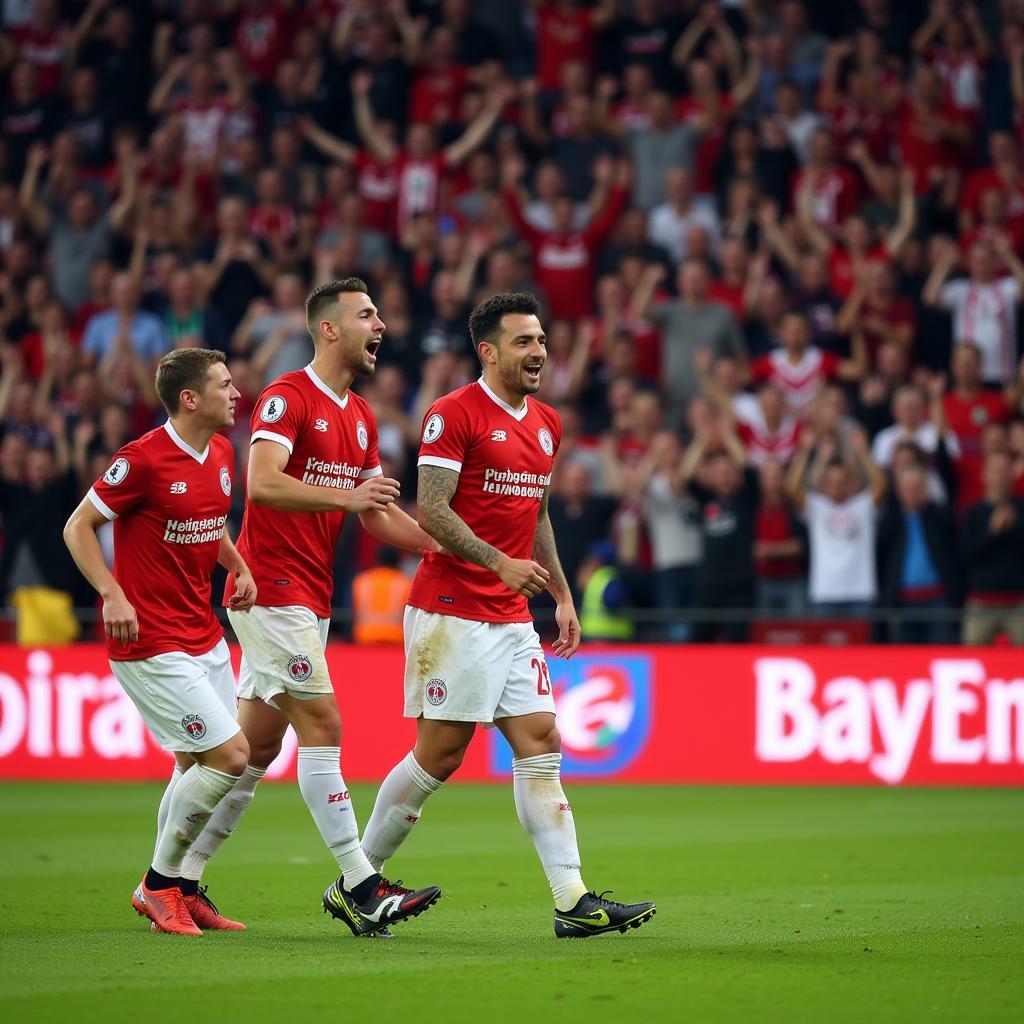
{"x": 849, "y": 257}
{"x": 440, "y": 82}
{"x": 995, "y": 227}
{"x": 262, "y": 36}
{"x": 1004, "y": 173}
{"x": 800, "y": 369}
{"x": 780, "y": 545}
{"x": 567, "y": 30}
{"x": 45, "y": 43}
{"x": 961, "y": 57}
{"x": 729, "y": 288}
{"x": 970, "y": 408}
{"x": 878, "y": 312}
{"x": 825, "y": 190}
{"x": 564, "y": 259}
{"x": 933, "y": 134}
{"x": 420, "y": 167}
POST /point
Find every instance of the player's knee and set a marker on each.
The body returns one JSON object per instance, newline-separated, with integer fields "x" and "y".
{"x": 441, "y": 763}
{"x": 263, "y": 752}
{"x": 230, "y": 757}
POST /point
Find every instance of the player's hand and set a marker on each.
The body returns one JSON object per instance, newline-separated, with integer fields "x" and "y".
{"x": 569, "y": 633}
{"x": 522, "y": 575}
{"x": 372, "y": 496}
{"x": 244, "y": 596}
{"x": 119, "y": 619}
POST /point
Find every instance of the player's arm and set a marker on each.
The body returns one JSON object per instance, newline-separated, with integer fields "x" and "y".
{"x": 434, "y": 494}
{"x": 546, "y": 554}
{"x": 119, "y": 618}
{"x": 396, "y": 527}
{"x": 270, "y": 485}
{"x": 244, "y": 596}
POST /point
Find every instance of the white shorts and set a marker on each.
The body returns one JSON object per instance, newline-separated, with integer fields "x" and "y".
{"x": 282, "y": 652}
{"x": 460, "y": 670}
{"x": 188, "y": 702}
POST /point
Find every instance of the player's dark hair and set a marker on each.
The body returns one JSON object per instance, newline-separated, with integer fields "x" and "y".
{"x": 184, "y": 369}
{"x": 323, "y": 296}
{"x": 485, "y": 320}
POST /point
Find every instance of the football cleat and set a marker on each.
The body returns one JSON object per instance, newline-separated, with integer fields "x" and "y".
{"x": 389, "y": 903}
{"x": 165, "y": 908}
{"x": 207, "y": 916}
{"x": 594, "y": 915}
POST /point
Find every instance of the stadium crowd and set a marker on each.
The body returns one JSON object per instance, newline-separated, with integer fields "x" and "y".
{"x": 779, "y": 246}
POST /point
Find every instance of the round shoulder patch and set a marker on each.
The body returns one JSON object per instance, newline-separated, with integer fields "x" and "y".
{"x": 546, "y": 441}
{"x": 273, "y": 409}
{"x": 117, "y": 472}
{"x": 433, "y": 429}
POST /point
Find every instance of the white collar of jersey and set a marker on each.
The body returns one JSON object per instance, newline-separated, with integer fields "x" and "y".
{"x": 343, "y": 402}
{"x": 200, "y": 457}
{"x": 516, "y": 414}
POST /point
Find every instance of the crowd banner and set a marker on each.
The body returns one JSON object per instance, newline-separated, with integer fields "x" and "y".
{"x": 815, "y": 715}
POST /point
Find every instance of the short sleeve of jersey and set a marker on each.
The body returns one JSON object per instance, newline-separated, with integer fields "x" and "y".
{"x": 124, "y": 485}
{"x": 446, "y": 436}
{"x": 280, "y": 415}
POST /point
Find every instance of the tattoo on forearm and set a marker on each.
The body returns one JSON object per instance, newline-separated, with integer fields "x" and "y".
{"x": 434, "y": 491}
{"x": 546, "y": 553}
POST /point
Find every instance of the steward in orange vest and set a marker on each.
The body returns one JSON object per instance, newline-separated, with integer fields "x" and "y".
{"x": 378, "y": 601}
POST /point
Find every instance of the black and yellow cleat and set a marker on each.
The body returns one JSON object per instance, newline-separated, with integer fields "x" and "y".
{"x": 389, "y": 903}
{"x": 594, "y": 915}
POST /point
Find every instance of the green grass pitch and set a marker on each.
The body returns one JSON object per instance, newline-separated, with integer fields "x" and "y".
{"x": 825, "y": 905}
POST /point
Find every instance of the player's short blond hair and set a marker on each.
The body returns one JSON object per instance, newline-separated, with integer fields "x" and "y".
{"x": 184, "y": 369}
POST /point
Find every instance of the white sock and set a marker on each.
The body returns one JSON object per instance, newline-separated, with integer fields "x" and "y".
{"x": 547, "y": 816}
{"x": 165, "y": 802}
{"x": 399, "y": 802}
{"x": 328, "y": 800}
{"x": 195, "y": 796}
{"x": 222, "y": 823}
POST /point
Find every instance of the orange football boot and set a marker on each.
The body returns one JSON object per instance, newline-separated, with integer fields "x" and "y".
{"x": 165, "y": 908}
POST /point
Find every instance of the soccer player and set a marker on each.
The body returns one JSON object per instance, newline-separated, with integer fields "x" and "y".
{"x": 472, "y": 654}
{"x": 168, "y": 494}
{"x": 313, "y": 458}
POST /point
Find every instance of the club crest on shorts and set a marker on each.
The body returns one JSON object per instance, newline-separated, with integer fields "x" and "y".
{"x": 435, "y": 691}
{"x": 225, "y": 480}
{"x": 546, "y": 442}
{"x": 361, "y": 436}
{"x": 273, "y": 409}
{"x": 117, "y": 472}
{"x": 194, "y": 726}
{"x": 433, "y": 429}
{"x": 299, "y": 668}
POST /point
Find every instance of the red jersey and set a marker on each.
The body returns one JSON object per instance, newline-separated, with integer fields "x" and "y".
{"x": 979, "y": 182}
{"x": 834, "y": 195}
{"x": 841, "y": 273}
{"x": 377, "y": 183}
{"x": 563, "y": 36}
{"x": 763, "y": 444}
{"x": 46, "y": 52}
{"x": 799, "y": 382}
{"x": 504, "y": 458}
{"x": 564, "y": 264}
{"x": 436, "y": 93}
{"x": 261, "y": 36}
{"x": 921, "y": 149}
{"x": 331, "y": 442}
{"x": 169, "y": 504}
